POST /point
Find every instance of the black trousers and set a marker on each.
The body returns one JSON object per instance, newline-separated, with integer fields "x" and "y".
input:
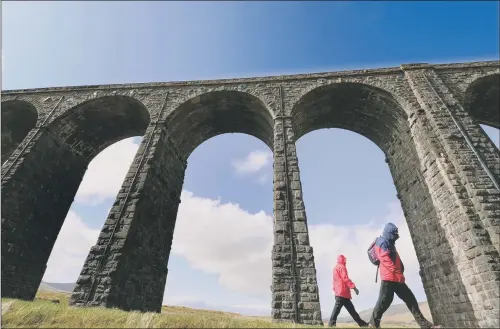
{"x": 339, "y": 302}
{"x": 387, "y": 290}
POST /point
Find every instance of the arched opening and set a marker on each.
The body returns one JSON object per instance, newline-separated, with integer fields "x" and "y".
{"x": 216, "y": 113}
{"x": 37, "y": 196}
{"x": 18, "y": 118}
{"x": 493, "y": 134}
{"x": 223, "y": 237}
{"x": 196, "y": 122}
{"x": 87, "y": 214}
{"x": 482, "y": 100}
{"x": 347, "y": 205}
{"x": 139, "y": 280}
{"x": 376, "y": 115}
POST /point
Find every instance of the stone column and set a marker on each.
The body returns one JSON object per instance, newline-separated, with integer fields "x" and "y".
{"x": 294, "y": 286}
{"x": 467, "y": 201}
{"x": 30, "y": 222}
{"x": 127, "y": 268}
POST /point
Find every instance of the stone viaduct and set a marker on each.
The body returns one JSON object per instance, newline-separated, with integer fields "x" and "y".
{"x": 425, "y": 118}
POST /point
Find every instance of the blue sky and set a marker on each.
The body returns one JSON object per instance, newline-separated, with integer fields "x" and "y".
{"x": 229, "y": 177}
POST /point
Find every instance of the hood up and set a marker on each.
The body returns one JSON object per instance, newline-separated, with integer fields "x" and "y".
{"x": 391, "y": 232}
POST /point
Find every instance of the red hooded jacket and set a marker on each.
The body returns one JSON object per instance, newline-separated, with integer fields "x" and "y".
{"x": 342, "y": 285}
{"x": 391, "y": 266}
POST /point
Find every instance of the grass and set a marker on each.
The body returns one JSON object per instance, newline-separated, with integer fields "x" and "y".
{"x": 42, "y": 313}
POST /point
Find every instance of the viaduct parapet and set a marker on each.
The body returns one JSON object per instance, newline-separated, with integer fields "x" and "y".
{"x": 425, "y": 118}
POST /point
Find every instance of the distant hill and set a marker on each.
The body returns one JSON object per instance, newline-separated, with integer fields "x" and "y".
{"x": 68, "y": 288}
{"x": 396, "y": 314}
{"x": 56, "y": 287}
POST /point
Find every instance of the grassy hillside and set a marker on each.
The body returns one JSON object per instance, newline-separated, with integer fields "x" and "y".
{"x": 50, "y": 310}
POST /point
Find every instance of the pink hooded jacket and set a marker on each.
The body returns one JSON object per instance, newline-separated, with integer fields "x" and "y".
{"x": 342, "y": 285}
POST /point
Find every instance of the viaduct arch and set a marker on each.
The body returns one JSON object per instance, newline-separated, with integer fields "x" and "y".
{"x": 482, "y": 99}
{"x": 18, "y": 118}
{"x": 423, "y": 117}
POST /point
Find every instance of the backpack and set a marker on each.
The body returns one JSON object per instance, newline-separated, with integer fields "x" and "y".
{"x": 372, "y": 256}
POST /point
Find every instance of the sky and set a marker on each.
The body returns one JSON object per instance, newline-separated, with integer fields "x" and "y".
{"x": 227, "y": 194}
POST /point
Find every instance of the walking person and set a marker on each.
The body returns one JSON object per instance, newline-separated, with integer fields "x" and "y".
{"x": 342, "y": 286}
{"x": 384, "y": 254}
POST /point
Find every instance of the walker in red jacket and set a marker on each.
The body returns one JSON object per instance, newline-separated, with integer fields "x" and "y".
{"x": 342, "y": 286}
{"x": 393, "y": 279}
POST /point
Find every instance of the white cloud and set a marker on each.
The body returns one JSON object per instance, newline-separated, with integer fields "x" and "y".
{"x": 106, "y": 173}
{"x": 254, "y": 162}
{"x": 226, "y": 240}
{"x": 70, "y": 250}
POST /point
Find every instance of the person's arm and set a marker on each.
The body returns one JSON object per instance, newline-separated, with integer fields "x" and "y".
{"x": 402, "y": 265}
{"x": 345, "y": 278}
{"x": 385, "y": 259}
{"x": 333, "y": 279}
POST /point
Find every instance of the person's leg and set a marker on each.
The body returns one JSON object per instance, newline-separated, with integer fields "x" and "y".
{"x": 385, "y": 298}
{"x": 336, "y": 310}
{"x": 403, "y": 291}
{"x": 352, "y": 311}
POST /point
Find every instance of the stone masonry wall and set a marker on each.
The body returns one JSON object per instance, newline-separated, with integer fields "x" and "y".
{"x": 449, "y": 197}
{"x": 295, "y": 289}
{"x": 474, "y": 254}
{"x": 485, "y": 196}
{"x": 434, "y": 254}
{"x": 445, "y": 292}
{"x": 456, "y": 92}
{"x": 481, "y": 170}
{"x": 18, "y": 118}
{"x": 127, "y": 268}
{"x": 27, "y": 240}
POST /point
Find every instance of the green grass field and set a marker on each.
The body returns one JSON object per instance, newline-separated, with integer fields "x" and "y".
{"x": 43, "y": 313}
